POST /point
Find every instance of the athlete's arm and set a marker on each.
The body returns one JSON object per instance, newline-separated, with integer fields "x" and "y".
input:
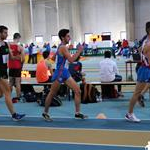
{"x": 63, "y": 50}
{"x": 21, "y": 49}
{"x": 51, "y": 71}
{"x": 49, "y": 65}
{"x": 54, "y": 57}
{"x": 147, "y": 51}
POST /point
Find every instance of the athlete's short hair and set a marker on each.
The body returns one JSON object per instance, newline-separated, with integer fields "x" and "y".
{"x": 16, "y": 36}
{"x": 147, "y": 27}
{"x": 107, "y": 54}
{"x": 2, "y": 28}
{"x": 45, "y": 54}
{"x": 62, "y": 33}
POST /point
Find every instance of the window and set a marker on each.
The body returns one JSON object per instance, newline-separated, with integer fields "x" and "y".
{"x": 106, "y": 36}
{"x": 87, "y": 37}
{"x": 39, "y": 39}
{"x": 123, "y": 35}
{"x": 55, "y": 40}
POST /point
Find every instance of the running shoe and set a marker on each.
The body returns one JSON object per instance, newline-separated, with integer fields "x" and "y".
{"x": 46, "y": 117}
{"x": 131, "y": 117}
{"x": 80, "y": 116}
{"x": 17, "y": 117}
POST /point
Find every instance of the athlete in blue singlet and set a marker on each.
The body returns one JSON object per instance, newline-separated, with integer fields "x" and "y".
{"x": 143, "y": 75}
{"x": 62, "y": 75}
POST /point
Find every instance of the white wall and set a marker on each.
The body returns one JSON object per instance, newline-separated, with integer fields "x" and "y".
{"x": 142, "y": 15}
{"x": 9, "y": 17}
{"x": 39, "y": 20}
{"x": 45, "y": 18}
{"x": 99, "y": 16}
{"x": 96, "y": 16}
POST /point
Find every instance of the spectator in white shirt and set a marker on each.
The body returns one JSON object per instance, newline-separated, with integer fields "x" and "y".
{"x": 109, "y": 71}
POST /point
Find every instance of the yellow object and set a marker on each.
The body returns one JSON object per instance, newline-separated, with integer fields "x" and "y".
{"x": 25, "y": 74}
{"x": 39, "y": 58}
{"x": 95, "y": 36}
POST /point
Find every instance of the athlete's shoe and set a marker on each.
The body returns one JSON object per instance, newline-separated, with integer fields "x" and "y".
{"x": 80, "y": 116}
{"x": 46, "y": 117}
{"x": 17, "y": 117}
{"x": 131, "y": 117}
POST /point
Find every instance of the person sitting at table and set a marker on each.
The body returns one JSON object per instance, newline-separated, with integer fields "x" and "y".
{"x": 109, "y": 71}
{"x": 44, "y": 69}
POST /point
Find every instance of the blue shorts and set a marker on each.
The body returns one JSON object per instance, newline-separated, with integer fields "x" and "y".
{"x": 143, "y": 74}
{"x": 61, "y": 75}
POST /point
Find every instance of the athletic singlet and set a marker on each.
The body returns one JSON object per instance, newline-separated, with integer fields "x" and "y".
{"x": 61, "y": 60}
{"x": 144, "y": 59}
{"x": 4, "y": 54}
{"x": 14, "y": 64}
{"x": 61, "y": 73}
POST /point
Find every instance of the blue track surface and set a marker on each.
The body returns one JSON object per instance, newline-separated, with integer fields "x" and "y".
{"x": 10, "y": 145}
{"x": 74, "y": 123}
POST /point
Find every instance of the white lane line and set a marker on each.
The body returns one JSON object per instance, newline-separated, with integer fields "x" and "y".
{"x": 71, "y": 143}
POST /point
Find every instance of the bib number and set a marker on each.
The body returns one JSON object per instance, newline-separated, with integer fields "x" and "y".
{"x": 5, "y": 59}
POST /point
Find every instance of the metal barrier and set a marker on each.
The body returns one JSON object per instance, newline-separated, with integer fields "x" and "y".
{"x": 89, "y": 51}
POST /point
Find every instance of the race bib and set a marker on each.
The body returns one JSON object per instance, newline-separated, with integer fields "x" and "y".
{"x": 5, "y": 59}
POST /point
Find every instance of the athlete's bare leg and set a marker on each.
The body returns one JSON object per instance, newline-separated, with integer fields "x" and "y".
{"x": 73, "y": 85}
{"x": 18, "y": 86}
{"x": 53, "y": 91}
{"x": 4, "y": 86}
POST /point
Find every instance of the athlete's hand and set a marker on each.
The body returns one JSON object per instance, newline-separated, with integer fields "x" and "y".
{"x": 80, "y": 48}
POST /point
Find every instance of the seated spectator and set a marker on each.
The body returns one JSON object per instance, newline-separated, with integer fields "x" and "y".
{"x": 44, "y": 69}
{"x": 109, "y": 71}
{"x": 89, "y": 94}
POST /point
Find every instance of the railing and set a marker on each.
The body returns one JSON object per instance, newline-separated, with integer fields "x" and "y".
{"x": 89, "y": 51}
